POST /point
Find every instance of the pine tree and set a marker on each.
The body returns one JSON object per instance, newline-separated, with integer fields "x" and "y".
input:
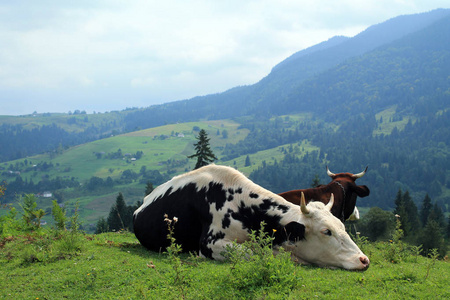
{"x": 448, "y": 227}
{"x": 437, "y": 215}
{"x": 117, "y": 218}
{"x": 247, "y": 161}
{"x": 203, "y": 152}
{"x": 149, "y": 188}
{"x": 413, "y": 213}
{"x": 425, "y": 211}
{"x": 315, "y": 181}
{"x": 102, "y": 226}
{"x": 401, "y": 211}
{"x": 432, "y": 238}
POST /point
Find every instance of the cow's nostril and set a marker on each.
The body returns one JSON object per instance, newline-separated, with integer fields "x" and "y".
{"x": 364, "y": 260}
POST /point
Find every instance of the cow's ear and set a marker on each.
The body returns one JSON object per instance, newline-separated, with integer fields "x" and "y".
{"x": 292, "y": 232}
{"x": 360, "y": 190}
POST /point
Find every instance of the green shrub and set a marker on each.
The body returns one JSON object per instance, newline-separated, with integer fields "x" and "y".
{"x": 59, "y": 215}
{"x": 255, "y": 268}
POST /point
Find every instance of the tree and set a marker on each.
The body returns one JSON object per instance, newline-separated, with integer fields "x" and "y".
{"x": 149, "y": 188}
{"x": 117, "y": 218}
{"x": 432, "y": 238}
{"x": 58, "y": 196}
{"x": 378, "y": 224}
{"x": 412, "y": 211}
{"x": 225, "y": 134}
{"x": 59, "y": 215}
{"x": 102, "y": 226}
{"x": 31, "y": 215}
{"x": 203, "y": 152}
{"x": 425, "y": 211}
{"x": 400, "y": 210}
{"x": 315, "y": 181}
{"x": 448, "y": 227}
{"x": 247, "y": 161}
{"x": 409, "y": 215}
{"x": 437, "y": 215}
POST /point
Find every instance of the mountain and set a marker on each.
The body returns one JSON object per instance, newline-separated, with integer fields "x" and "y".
{"x": 411, "y": 72}
{"x": 287, "y": 77}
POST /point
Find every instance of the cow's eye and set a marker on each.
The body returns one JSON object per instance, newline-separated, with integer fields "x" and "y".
{"x": 326, "y": 232}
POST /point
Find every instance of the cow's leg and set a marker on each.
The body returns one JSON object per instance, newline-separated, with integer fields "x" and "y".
{"x": 215, "y": 250}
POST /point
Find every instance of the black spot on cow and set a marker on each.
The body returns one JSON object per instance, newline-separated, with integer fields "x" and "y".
{"x": 231, "y": 191}
{"x": 226, "y": 221}
{"x": 254, "y": 196}
{"x": 292, "y": 232}
{"x": 230, "y": 198}
{"x": 238, "y": 191}
{"x": 283, "y": 208}
{"x": 216, "y": 195}
{"x": 251, "y": 217}
{"x": 269, "y": 203}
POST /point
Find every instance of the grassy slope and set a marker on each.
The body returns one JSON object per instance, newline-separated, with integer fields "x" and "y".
{"x": 386, "y": 126}
{"x": 84, "y": 164}
{"x": 115, "y": 266}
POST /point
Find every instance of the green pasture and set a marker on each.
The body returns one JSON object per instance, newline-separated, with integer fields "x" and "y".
{"x": 115, "y": 266}
{"x": 270, "y": 156}
{"x": 386, "y": 126}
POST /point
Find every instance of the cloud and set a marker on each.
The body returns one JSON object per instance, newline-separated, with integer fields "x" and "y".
{"x": 154, "y": 51}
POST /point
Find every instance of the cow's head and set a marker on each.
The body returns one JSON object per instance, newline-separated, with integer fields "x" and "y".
{"x": 346, "y": 181}
{"x": 325, "y": 242}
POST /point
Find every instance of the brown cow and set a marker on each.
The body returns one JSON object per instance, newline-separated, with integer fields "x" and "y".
{"x": 343, "y": 187}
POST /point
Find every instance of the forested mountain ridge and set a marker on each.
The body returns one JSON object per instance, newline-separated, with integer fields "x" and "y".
{"x": 411, "y": 72}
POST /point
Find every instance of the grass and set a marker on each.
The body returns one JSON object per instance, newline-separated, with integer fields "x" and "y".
{"x": 270, "y": 156}
{"x": 387, "y": 125}
{"x": 114, "y": 265}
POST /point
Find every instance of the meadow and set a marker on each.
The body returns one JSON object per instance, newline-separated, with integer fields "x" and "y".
{"x": 61, "y": 264}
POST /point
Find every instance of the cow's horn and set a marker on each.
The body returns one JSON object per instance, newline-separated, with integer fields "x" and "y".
{"x": 305, "y": 211}
{"x": 359, "y": 175}
{"x": 329, "y": 173}
{"x": 330, "y": 203}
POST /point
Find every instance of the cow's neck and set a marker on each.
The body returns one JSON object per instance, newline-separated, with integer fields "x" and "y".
{"x": 342, "y": 217}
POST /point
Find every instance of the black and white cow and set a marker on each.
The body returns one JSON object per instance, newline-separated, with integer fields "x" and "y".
{"x": 216, "y": 205}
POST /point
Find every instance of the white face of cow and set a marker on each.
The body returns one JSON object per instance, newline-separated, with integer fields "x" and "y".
{"x": 326, "y": 242}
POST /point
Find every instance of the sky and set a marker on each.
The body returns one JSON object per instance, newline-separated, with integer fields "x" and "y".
{"x": 98, "y": 56}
